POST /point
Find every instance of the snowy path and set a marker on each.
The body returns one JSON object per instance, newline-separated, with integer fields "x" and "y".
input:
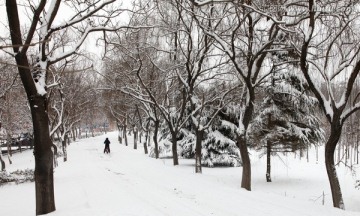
{"x": 127, "y": 183}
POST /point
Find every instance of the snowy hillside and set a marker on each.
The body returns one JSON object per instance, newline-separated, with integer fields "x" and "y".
{"x": 128, "y": 183}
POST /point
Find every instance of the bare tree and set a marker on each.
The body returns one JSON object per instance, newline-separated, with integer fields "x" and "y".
{"x": 329, "y": 55}
{"x": 245, "y": 34}
{"x": 149, "y": 77}
{"x": 33, "y": 75}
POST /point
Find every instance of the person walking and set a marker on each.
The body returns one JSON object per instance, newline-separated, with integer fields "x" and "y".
{"x": 107, "y": 146}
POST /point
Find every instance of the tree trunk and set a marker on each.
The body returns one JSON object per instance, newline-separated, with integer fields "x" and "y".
{"x": 120, "y": 139}
{"x": 145, "y": 141}
{"x": 330, "y": 147}
{"x": 20, "y": 145}
{"x": 246, "y": 174}
{"x": 174, "y": 148}
{"x": 44, "y": 179}
{"x": 268, "y": 161}
{"x": 125, "y": 136}
{"x": 357, "y": 152}
{"x": 198, "y": 147}
{"x": 156, "y": 144}
{"x": 74, "y": 134}
{"x": 55, "y": 154}
{"x": 136, "y": 134}
{"x": 2, "y": 162}
{"x": 9, "y": 151}
{"x": 64, "y": 142}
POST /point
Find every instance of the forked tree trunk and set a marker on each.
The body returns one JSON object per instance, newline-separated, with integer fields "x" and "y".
{"x": 246, "y": 173}
{"x": 199, "y": 137}
{"x": 268, "y": 161}
{"x": 174, "y": 149}
{"x": 330, "y": 147}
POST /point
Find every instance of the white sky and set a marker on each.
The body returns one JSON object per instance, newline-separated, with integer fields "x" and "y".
{"x": 63, "y": 15}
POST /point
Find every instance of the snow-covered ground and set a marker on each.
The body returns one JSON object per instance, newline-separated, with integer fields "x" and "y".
{"x": 128, "y": 183}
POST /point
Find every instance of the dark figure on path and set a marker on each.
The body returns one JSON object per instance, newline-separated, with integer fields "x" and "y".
{"x": 107, "y": 146}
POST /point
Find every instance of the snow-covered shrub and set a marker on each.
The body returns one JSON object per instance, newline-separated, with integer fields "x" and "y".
{"x": 18, "y": 176}
{"x": 219, "y": 146}
{"x": 357, "y": 184}
{"x": 186, "y": 143}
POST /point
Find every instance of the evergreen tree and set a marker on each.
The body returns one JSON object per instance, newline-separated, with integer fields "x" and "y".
{"x": 218, "y": 145}
{"x": 220, "y": 142}
{"x": 286, "y": 119}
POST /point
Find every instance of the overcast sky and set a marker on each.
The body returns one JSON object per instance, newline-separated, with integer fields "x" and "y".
{"x": 64, "y": 13}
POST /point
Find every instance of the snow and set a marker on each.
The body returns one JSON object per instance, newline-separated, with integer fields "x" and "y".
{"x": 127, "y": 182}
{"x": 308, "y": 34}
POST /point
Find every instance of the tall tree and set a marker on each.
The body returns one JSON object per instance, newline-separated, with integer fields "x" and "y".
{"x": 286, "y": 120}
{"x": 33, "y": 75}
{"x": 329, "y": 53}
{"x": 245, "y": 34}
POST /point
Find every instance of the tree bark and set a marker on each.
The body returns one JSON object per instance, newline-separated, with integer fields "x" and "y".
{"x": 145, "y": 141}
{"x": 2, "y": 162}
{"x": 125, "y": 136}
{"x": 9, "y": 151}
{"x": 268, "y": 161}
{"x": 330, "y": 147}
{"x": 156, "y": 144}
{"x": 55, "y": 154}
{"x": 136, "y": 134}
{"x": 63, "y": 142}
{"x": 44, "y": 181}
{"x": 174, "y": 148}
{"x": 198, "y": 147}
{"x": 246, "y": 174}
